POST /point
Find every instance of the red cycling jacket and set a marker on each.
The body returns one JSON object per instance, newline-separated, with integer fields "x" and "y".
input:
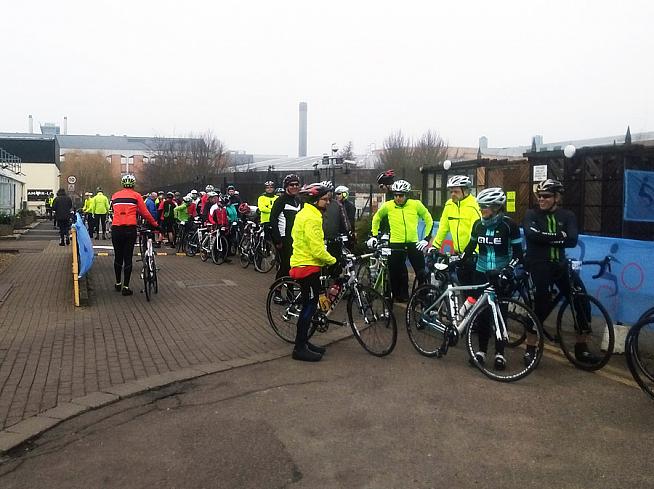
{"x": 127, "y": 203}
{"x": 218, "y": 216}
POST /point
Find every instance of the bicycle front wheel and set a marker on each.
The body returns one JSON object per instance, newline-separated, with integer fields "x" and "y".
{"x": 639, "y": 350}
{"x": 192, "y": 245}
{"x": 505, "y": 360}
{"x": 585, "y": 333}
{"x": 146, "y": 279}
{"x": 283, "y": 307}
{"x": 219, "y": 250}
{"x": 264, "y": 257}
{"x": 372, "y": 321}
{"x": 424, "y": 327}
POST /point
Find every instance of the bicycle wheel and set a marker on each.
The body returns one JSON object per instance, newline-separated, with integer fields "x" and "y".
{"x": 205, "y": 248}
{"x": 372, "y": 321}
{"x": 264, "y": 257}
{"x": 596, "y": 330}
{"x": 283, "y": 308}
{"x": 639, "y": 349}
{"x": 219, "y": 250}
{"x": 423, "y": 329}
{"x": 153, "y": 276}
{"x": 363, "y": 272}
{"x": 192, "y": 245}
{"x": 481, "y": 334}
{"x": 146, "y": 279}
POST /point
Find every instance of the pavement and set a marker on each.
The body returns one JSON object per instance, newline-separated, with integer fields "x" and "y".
{"x": 58, "y": 362}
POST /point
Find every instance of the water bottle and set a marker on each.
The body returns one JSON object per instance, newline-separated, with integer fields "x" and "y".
{"x": 333, "y": 292}
{"x": 466, "y": 306}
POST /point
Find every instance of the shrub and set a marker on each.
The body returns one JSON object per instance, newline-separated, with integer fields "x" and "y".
{"x": 6, "y": 218}
{"x": 26, "y": 213}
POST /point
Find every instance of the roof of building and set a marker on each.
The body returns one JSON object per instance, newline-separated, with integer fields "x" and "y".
{"x": 293, "y": 164}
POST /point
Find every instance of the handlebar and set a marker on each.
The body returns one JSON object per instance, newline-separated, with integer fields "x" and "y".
{"x": 603, "y": 264}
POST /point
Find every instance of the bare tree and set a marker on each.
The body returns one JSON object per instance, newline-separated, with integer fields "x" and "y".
{"x": 91, "y": 170}
{"x": 429, "y": 150}
{"x": 347, "y": 152}
{"x": 196, "y": 159}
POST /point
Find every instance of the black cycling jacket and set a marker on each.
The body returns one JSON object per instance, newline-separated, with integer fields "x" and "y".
{"x": 282, "y": 217}
{"x": 548, "y": 234}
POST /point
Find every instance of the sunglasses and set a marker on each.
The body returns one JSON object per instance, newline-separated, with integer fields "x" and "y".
{"x": 399, "y": 195}
{"x": 293, "y": 184}
{"x": 484, "y": 206}
{"x": 544, "y": 196}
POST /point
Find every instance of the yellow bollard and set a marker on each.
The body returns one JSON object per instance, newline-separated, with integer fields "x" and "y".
{"x": 75, "y": 267}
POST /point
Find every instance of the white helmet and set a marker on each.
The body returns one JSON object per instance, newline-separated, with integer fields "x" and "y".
{"x": 491, "y": 196}
{"x": 459, "y": 181}
{"x": 401, "y": 186}
{"x": 341, "y": 189}
{"x": 327, "y": 184}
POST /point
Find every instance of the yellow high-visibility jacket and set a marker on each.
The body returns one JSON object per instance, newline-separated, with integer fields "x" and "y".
{"x": 403, "y": 220}
{"x": 457, "y": 219}
{"x": 309, "y": 239}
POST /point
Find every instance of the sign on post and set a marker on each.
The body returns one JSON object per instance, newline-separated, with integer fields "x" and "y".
{"x": 72, "y": 179}
{"x": 540, "y": 173}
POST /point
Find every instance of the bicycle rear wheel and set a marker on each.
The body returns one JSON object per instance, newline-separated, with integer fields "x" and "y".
{"x": 372, "y": 321}
{"x": 424, "y": 332}
{"x": 639, "y": 350}
{"x": 219, "y": 250}
{"x": 283, "y": 307}
{"x": 595, "y": 330}
{"x": 481, "y": 337}
{"x": 192, "y": 245}
{"x": 146, "y": 279}
{"x": 153, "y": 276}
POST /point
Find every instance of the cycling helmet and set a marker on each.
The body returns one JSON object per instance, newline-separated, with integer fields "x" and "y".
{"x": 459, "y": 181}
{"x": 386, "y": 177}
{"x": 314, "y": 191}
{"x": 269, "y": 183}
{"x": 401, "y": 187}
{"x": 244, "y": 208}
{"x": 212, "y": 194}
{"x": 99, "y": 189}
{"x": 290, "y": 178}
{"x": 160, "y": 192}
{"x": 170, "y": 194}
{"x": 187, "y": 198}
{"x": 279, "y": 191}
{"x": 328, "y": 184}
{"x": 209, "y": 188}
{"x": 128, "y": 181}
{"x": 230, "y": 187}
{"x": 491, "y": 196}
{"x": 550, "y": 185}
{"x": 193, "y": 192}
{"x": 342, "y": 189}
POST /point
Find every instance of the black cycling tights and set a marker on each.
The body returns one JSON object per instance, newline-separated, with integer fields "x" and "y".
{"x": 123, "y": 238}
{"x": 397, "y": 268}
{"x": 309, "y": 290}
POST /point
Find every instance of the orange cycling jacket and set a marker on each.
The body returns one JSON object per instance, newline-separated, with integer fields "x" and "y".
{"x": 126, "y": 204}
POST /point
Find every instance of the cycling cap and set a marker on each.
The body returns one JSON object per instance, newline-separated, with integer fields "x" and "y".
{"x": 127, "y": 181}
{"x": 290, "y": 178}
{"x": 491, "y": 196}
{"x": 550, "y": 185}
{"x": 386, "y": 177}
{"x": 401, "y": 186}
{"x": 459, "y": 181}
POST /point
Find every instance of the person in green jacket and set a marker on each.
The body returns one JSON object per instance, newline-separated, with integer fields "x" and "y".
{"x": 309, "y": 255}
{"x": 100, "y": 208}
{"x": 460, "y": 213}
{"x": 403, "y": 216}
{"x": 264, "y": 205}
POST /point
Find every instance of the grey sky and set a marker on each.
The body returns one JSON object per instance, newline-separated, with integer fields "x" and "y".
{"x": 504, "y": 69}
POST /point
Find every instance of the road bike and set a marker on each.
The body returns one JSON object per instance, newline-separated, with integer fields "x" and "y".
{"x": 435, "y": 323}
{"x": 639, "y": 352}
{"x": 149, "y": 269}
{"x": 194, "y": 240}
{"x": 256, "y": 249}
{"x": 369, "y": 315}
{"x": 580, "y": 317}
{"x": 373, "y": 270}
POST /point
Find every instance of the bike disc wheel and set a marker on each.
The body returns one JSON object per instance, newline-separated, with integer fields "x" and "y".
{"x": 423, "y": 331}
{"x": 372, "y": 321}
{"x": 481, "y": 337}
{"x": 596, "y": 328}
{"x": 283, "y": 307}
{"x": 639, "y": 350}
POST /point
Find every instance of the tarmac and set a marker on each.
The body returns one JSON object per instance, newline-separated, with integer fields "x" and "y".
{"x": 58, "y": 362}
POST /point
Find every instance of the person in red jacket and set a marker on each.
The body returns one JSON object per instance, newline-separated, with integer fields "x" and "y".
{"x": 127, "y": 203}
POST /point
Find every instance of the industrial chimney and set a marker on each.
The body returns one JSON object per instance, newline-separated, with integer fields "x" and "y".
{"x": 65, "y": 124}
{"x": 302, "y": 148}
{"x": 31, "y": 124}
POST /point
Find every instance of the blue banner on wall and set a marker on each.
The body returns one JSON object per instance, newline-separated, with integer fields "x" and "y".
{"x": 84, "y": 245}
{"x": 639, "y": 195}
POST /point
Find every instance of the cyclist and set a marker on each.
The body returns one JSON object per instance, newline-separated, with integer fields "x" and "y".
{"x": 265, "y": 203}
{"x": 282, "y": 217}
{"x": 100, "y": 208}
{"x": 460, "y": 213}
{"x": 126, "y": 203}
{"x": 385, "y": 180}
{"x": 204, "y": 203}
{"x": 309, "y": 255}
{"x": 181, "y": 213}
{"x": 88, "y": 211}
{"x": 233, "y": 195}
{"x": 549, "y": 229}
{"x": 500, "y": 250}
{"x": 167, "y": 217}
{"x": 403, "y": 214}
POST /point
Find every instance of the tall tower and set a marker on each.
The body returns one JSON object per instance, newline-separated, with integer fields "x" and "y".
{"x": 302, "y": 147}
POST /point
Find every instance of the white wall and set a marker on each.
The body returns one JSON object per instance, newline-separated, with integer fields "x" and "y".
{"x": 11, "y": 194}
{"x": 39, "y": 176}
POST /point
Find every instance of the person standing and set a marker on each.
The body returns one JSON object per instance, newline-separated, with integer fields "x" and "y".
{"x": 282, "y": 217}
{"x": 86, "y": 209}
{"x": 100, "y": 208}
{"x": 309, "y": 255}
{"x": 48, "y": 208}
{"x": 385, "y": 180}
{"x": 460, "y": 213}
{"x": 62, "y": 206}
{"x": 167, "y": 218}
{"x": 403, "y": 215}
{"x": 265, "y": 203}
{"x": 127, "y": 204}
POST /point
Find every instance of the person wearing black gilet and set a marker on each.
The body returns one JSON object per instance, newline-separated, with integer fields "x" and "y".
{"x": 282, "y": 217}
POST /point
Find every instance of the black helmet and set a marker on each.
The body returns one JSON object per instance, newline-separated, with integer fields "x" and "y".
{"x": 315, "y": 191}
{"x": 550, "y": 185}
{"x": 386, "y": 177}
{"x": 290, "y": 178}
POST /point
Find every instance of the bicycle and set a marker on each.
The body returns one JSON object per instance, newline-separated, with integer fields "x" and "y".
{"x": 369, "y": 314}
{"x": 256, "y": 249}
{"x": 434, "y": 325}
{"x": 639, "y": 352}
{"x": 374, "y": 271}
{"x": 149, "y": 270}
{"x": 580, "y": 307}
{"x": 195, "y": 239}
